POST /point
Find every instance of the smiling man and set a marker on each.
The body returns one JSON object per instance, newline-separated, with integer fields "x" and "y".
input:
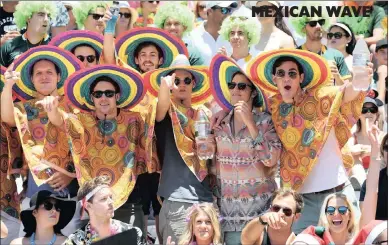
{"x": 35, "y": 16}
{"x": 313, "y": 120}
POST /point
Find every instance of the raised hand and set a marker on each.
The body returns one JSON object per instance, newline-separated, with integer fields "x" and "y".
{"x": 49, "y": 103}
{"x": 274, "y": 220}
{"x": 11, "y": 76}
{"x": 168, "y": 82}
{"x": 243, "y": 111}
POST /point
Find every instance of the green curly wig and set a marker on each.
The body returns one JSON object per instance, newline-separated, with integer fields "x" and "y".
{"x": 299, "y": 23}
{"x": 251, "y": 27}
{"x": 176, "y": 11}
{"x": 82, "y": 10}
{"x": 25, "y": 9}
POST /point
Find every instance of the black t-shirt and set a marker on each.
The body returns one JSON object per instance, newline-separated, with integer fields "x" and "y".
{"x": 6, "y": 22}
{"x": 382, "y": 200}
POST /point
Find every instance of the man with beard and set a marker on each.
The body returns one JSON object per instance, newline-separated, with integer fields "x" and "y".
{"x": 35, "y": 16}
{"x": 313, "y": 28}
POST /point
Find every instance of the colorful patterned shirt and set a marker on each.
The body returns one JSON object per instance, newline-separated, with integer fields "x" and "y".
{"x": 246, "y": 184}
{"x": 87, "y": 235}
{"x": 304, "y": 128}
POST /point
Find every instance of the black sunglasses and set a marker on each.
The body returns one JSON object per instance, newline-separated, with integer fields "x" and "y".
{"x": 89, "y": 58}
{"x": 380, "y": 242}
{"x": 241, "y": 86}
{"x": 153, "y": 2}
{"x": 337, "y": 35}
{"x": 126, "y": 15}
{"x": 281, "y": 74}
{"x": 313, "y": 23}
{"x": 224, "y": 10}
{"x": 331, "y": 210}
{"x": 373, "y": 110}
{"x": 287, "y": 211}
{"x": 108, "y": 93}
{"x": 49, "y": 206}
{"x": 187, "y": 81}
{"x": 97, "y": 16}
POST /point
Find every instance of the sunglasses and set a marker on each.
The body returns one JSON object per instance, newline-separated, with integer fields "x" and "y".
{"x": 242, "y": 18}
{"x": 187, "y": 81}
{"x": 331, "y": 210}
{"x": 108, "y": 93}
{"x": 337, "y": 35}
{"x": 287, "y": 211}
{"x": 49, "y": 206}
{"x": 373, "y": 110}
{"x": 380, "y": 242}
{"x": 281, "y": 74}
{"x": 89, "y": 58}
{"x": 313, "y": 23}
{"x": 153, "y": 2}
{"x": 241, "y": 86}
{"x": 224, "y": 10}
{"x": 126, "y": 15}
{"x": 96, "y": 16}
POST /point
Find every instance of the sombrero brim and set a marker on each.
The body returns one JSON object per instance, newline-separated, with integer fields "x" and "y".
{"x": 2, "y": 78}
{"x": 316, "y": 69}
{"x": 70, "y": 39}
{"x": 68, "y": 208}
{"x": 170, "y": 45}
{"x": 201, "y": 90}
{"x": 222, "y": 70}
{"x": 130, "y": 83}
{"x": 66, "y": 62}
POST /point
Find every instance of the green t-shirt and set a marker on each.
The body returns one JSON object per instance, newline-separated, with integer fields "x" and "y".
{"x": 335, "y": 55}
{"x": 195, "y": 58}
{"x": 15, "y": 47}
{"x": 365, "y": 25}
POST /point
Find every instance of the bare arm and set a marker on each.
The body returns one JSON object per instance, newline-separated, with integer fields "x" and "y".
{"x": 252, "y": 232}
{"x": 109, "y": 42}
{"x": 382, "y": 74}
{"x": 378, "y": 34}
{"x": 164, "y": 97}
{"x": 7, "y": 106}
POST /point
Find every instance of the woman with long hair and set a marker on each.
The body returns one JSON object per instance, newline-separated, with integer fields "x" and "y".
{"x": 203, "y": 226}
{"x": 45, "y": 219}
{"x": 200, "y": 11}
{"x": 338, "y": 216}
{"x": 341, "y": 37}
{"x": 127, "y": 18}
{"x": 274, "y": 32}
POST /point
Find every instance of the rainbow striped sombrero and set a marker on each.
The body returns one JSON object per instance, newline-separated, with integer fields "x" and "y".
{"x": 70, "y": 39}
{"x": 66, "y": 62}
{"x": 170, "y": 45}
{"x": 130, "y": 83}
{"x": 316, "y": 69}
{"x": 222, "y": 70}
{"x": 2, "y": 78}
{"x": 201, "y": 89}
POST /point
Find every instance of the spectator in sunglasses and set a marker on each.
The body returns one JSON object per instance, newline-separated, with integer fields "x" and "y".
{"x": 127, "y": 18}
{"x": 256, "y": 158}
{"x": 86, "y": 54}
{"x": 206, "y": 36}
{"x": 313, "y": 29}
{"x": 374, "y": 193}
{"x": 341, "y": 37}
{"x": 274, "y": 32}
{"x": 89, "y": 16}
{"x": 200, "y": 11}
{"x": 338, "y": 216}
{"x": 46, "y": 217}
{"x": 35, "y": 16}
{"x": 242, "y": 33}
{"x": 274, "y": 226}
{"x": 177, "y": 19}
{"x": 97, "y": 200}
{"x": 146, "y": 13}
{"x": 359, "y": 143}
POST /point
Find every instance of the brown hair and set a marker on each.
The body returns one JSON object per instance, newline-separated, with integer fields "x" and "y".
{"x": 384, "y": 144}
{"x": 283, "y": 192}
{"x": 90, "y": 185}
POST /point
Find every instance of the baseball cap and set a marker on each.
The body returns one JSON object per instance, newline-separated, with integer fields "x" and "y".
{"x": 381, "y": 44}
{"x": 223, "y": 4}
{"x": 376, "y": 102}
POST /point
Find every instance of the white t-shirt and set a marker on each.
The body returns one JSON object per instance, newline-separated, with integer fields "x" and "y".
{"x": 329, "y": 171}
{"x": 207, "y": 45}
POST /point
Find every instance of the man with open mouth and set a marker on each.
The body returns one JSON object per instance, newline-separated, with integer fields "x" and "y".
{"x": 313, "y": 120}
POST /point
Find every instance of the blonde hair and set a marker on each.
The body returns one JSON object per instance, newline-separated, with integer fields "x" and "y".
{"x": 188, "y": 236}
{"x": 352, "y": 225}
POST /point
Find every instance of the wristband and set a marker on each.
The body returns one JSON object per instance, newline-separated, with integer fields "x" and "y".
{"x": 110, "y": 27}
{"x": 261, "y": 221}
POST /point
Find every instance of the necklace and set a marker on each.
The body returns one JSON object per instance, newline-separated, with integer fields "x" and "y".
{"x": 32, "y": 239}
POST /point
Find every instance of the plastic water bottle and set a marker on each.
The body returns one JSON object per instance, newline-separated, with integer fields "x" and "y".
{"x": 62, "y": 193}
{"x": 202, "y": 131}
{"x": 361, "y": 56}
